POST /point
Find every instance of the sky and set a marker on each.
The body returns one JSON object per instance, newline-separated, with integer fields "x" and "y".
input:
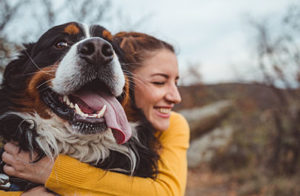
{"x": 212, "y": 33}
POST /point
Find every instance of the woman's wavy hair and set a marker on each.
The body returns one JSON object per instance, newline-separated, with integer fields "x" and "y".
{"x": 138, "y": 47}
{"x": 134, "y": 49}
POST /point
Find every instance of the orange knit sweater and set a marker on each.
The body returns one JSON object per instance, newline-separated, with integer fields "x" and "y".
{"x": 70, "y": 177}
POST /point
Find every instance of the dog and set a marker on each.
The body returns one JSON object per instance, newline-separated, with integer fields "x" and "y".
{"x": 65, "y": 94}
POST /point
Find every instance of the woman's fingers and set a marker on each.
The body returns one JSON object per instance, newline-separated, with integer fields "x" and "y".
{"x": 11, "y": 148}
{"x": 19, "y": 164}
{"x": 17, "y": 153}
{"x": 8, "y": 158}
{"x": 9, "y": 170}
{"x": 15, "y": 165}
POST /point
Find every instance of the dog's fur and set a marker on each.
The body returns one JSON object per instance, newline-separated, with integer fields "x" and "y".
{"x": 32, "y": 113}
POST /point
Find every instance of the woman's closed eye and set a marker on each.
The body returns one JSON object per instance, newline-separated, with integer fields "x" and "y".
{"x": 159, "y": 83}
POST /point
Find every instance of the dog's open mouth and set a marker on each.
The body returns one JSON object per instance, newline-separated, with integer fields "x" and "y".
{"x": 90, "y": 111}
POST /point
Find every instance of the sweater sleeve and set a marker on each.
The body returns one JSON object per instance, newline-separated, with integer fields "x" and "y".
{"x": 5, "y": 193}
{"x": 71, "y": 177}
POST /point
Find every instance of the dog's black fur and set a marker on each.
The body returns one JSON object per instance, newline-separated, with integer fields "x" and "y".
{"x": 15, "y": 83}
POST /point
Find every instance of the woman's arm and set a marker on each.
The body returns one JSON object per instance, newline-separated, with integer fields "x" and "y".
{"x": 5, "y": 193}
{"x": 69, "y": 176}
{"x": 37, "y": 191}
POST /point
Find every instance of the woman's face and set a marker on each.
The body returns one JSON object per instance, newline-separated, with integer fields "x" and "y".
{"x": 156, "y": 87}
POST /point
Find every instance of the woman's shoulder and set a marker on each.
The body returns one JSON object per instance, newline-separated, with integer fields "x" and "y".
{"x": 178, "y": 123}
{"x": 177, "y": 118}
{"x": 178, "y": 132}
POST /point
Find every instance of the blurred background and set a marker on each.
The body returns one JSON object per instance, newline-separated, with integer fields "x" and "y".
{"x": 240, "y": 76}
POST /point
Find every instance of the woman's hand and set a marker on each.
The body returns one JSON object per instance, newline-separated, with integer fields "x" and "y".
{"x": 37, "y": 191}
{"x": 19, "y": 164}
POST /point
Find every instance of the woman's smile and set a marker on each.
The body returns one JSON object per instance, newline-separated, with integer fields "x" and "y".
{"x": 163, "y": 112}
{"x": 156, "y": 87}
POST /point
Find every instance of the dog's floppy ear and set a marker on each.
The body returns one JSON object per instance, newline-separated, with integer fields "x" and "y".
{"x": 127, "y": 97}
{"x": 13, "y": 76}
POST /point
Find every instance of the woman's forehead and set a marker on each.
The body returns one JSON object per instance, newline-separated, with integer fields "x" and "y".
{"x": 162, "y": 61}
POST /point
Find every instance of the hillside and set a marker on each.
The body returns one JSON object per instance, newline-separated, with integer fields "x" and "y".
{"x": 265, "y": 127}
{"x": 245, "y": 94}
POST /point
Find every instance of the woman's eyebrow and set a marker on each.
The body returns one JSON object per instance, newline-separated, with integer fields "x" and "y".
{"x": 160, "y": 74}
{"x": 163, "y": 75}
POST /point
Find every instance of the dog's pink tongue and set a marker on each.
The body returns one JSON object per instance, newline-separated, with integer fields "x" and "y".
{"x": 115, "y": 116}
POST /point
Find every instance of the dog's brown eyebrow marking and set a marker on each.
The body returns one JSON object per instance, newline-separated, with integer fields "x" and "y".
{"x": 71, "y": 29}
{"x": 107, "y": 34}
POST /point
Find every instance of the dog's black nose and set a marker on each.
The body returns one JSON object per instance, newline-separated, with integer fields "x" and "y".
{"x": 96, "y": 51}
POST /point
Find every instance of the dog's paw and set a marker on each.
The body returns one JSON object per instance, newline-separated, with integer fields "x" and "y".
{"x": 4, "y": 182}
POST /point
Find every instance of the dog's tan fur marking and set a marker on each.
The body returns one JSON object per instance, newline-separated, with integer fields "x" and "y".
{"x": 107, "y": 35}
{"x": 71, "y": 29}
{"x": 30, "y": 100}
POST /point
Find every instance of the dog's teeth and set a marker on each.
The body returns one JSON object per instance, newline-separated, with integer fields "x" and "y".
{"x": 71, "y": 105}
{"x": 68, "y": 101}
{"x": 83, "y": 114}
{"x": 101, "y": 112}
{"x": 78, "y": 110}
{"x": 65, "y": 98}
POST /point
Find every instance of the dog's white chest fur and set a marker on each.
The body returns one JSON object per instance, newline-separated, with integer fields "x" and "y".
{"x": 56, "y": 137}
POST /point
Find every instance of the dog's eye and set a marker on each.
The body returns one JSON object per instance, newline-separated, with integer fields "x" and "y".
{"x": 61, "y": 44}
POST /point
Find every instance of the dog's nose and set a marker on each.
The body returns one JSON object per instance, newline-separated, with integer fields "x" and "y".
{"x": 96, "y": 51}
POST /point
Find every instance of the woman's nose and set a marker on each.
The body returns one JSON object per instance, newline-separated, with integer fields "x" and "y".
{"x": 173, "y": 95}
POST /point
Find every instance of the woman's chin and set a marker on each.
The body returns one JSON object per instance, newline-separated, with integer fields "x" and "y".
{"x": 161, "y": 124}
{"x": 160, "y": 121}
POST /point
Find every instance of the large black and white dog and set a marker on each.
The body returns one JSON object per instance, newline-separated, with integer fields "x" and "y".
{"x": 64, "y": 95}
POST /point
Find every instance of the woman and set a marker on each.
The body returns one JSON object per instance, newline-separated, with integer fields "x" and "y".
{"x": 153, "y": 65}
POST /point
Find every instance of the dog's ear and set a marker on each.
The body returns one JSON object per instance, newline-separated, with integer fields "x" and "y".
{"x": 118, "y": 50}
{"x": 13, "y": 76}
{"x": 127, "y": 98}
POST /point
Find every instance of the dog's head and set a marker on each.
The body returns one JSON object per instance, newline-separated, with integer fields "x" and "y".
{"x": 72, "y": 72}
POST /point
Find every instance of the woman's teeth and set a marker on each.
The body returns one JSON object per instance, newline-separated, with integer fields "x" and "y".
{"x": 164, "y": 110}
{"x": 99, "y": 114}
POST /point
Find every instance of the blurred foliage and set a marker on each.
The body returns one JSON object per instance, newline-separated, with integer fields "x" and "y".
{"x": 191, "y": 75}
{"x": 278, "y": 59}
{"x": 247, "y": 95}
{"x": 40, "y": 15}
{"x": 25, "y": 20}
{"x": 263, "y": 157}
{"x": 246, "y": 157}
